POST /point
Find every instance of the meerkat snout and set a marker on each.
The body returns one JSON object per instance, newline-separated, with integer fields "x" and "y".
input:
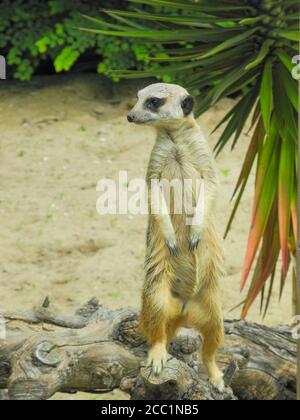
{"x": 162, "y": 104}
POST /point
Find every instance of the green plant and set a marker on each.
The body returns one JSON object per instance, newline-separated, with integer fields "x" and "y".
{"x": 217, "y": 48}
{"x": 34, "y": 32}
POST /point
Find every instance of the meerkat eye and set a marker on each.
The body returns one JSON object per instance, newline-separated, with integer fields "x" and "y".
{"x": 154, "y": 103}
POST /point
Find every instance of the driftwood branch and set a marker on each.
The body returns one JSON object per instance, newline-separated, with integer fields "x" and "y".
{"x": 98, "y": 350}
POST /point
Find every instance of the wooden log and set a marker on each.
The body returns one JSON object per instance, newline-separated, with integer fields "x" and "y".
{"x": 98, "y": 350}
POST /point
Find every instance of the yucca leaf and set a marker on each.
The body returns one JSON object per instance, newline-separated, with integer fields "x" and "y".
{"x": 257, "y": 138}
{"x": 240, "y": 113}
{"x": 290, "y": 86}
{"x": 179, "y": 20}
{"x": 227, "y": 116}
{"x": 160, "y": 35}
{"x": 186, "y": 50}
{"x": 285, "y": 59}
{"x": 104, "y": 24}
{"x": 232, "y": 42}
{"x": 270, "y": 292}
{"x": 129, "y": 23}
{"x": 257, "y": 272}
{"x": 231, "y": 126}
{"x": 235, "y": 208}
{"x": 200, "y": 82}
{"x": 266, "y": 147}
{"x": 262, "y": 299}
{"x": 263, "y": 52}
{"x": 266, "y": 94}
{"x": 291, "y": 35}
{"x": 203, "y": 7}
{"x": 255, "y": 116}
{"x": 245, "y": 113}
{"x": 173, "y": 59}
{"x": 174, "y": 68}
{"x": 221, "y": 60}
{"x": 294, "y": 210}
{"x": 283, "y": 109}
{"x": 285, "y": 186}
{"x": 264, "y": 206}
{"x": 268, "y": 257}
{"x": 251, "y": 21}
{"x": 244, "y": 82}
{"x": 227, "y": 54}
{"x": 283, "y": 278}
{"x": 227, "y": 81}
{"x": 205, "y": 104}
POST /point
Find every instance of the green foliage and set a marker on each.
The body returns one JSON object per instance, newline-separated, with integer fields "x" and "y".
{"x": 36, "y": 31}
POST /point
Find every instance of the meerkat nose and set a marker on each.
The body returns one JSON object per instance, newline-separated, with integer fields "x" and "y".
{"x": 130, "y": 118}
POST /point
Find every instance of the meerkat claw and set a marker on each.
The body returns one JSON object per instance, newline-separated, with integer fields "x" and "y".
{"x": 172, "y": 248}
{"x": 157, "y": 363}
{"x": 193, "y": 243}
{"x": 155, "y": 366}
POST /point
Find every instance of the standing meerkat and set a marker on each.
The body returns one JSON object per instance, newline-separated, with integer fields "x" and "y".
{"x": 184, "y": 261}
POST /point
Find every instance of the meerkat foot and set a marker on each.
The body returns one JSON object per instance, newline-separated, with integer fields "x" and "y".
{"x": 218, "y": 382}
{"x": 157, "y": 359}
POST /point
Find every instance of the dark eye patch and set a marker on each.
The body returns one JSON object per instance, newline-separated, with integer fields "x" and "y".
{"x": 153, "y": 104}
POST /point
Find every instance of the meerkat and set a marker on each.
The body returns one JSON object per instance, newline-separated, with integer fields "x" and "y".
{"x": 184, "y": 262}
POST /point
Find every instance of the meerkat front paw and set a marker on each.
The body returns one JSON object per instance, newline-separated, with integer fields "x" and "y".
{"x": 194, "y": 241}
{"x": 157, "y": 359}
{"x": 172, "y": 246}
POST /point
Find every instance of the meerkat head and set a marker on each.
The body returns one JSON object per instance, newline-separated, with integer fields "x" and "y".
{"x": 162, "y": 104}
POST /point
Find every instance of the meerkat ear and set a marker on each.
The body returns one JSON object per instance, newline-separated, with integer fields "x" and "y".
{"x": 187, "y": 105}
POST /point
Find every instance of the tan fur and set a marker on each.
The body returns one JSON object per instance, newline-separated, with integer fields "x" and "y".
{"x": 181, "y": 289}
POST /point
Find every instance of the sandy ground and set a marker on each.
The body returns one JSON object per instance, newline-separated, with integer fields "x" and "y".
{"x": 59, "y": 136}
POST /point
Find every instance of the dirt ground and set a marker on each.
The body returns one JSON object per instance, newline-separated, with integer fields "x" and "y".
{"x": 59, "y": 136}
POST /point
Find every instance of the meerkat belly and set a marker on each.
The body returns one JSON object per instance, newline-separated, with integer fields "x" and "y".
{"x": 181, "y": 194}
{"x": 183, "y": 180}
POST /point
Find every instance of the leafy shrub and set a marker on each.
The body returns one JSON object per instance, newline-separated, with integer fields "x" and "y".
{"x": 33, "y": 32}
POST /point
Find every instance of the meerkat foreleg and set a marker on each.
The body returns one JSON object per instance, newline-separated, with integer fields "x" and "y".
{"x": 163, "y": 219}
{"x": 206, "y": 195}
{"x": 197, "y": 219}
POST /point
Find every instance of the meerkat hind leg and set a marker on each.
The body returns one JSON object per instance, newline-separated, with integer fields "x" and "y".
{"x": 212, "y": 331}
{"x": 158, "y": 343}
{"x": 212, "y": 338}
{"x": 158, "y": 353}
{"x": 160, "y": 320}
